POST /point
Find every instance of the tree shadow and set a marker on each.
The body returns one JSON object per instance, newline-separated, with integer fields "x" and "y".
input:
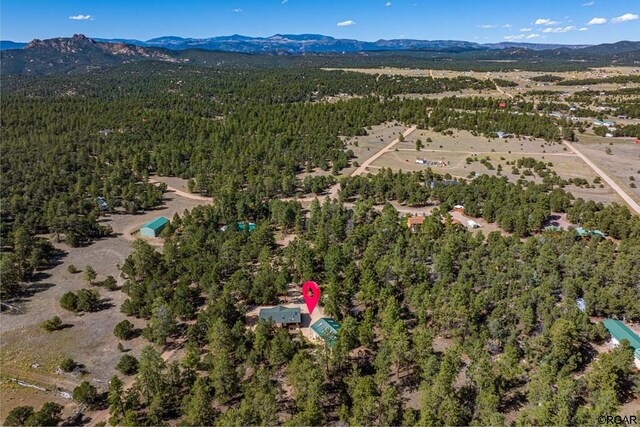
{"x": 17, "y": 304}
{"x": 105, "y": 304}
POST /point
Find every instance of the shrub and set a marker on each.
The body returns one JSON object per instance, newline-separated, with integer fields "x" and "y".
{"x": 124, "y": 330}
{"x": 69, "y": 301}
{"x": 73, "y": 269}
{"x": 68, "y": 364}
{"x": 53, "y": 324}
{"x": 88, "y": 300}
{"x": 128, "y": 365}
{"x": 110, "y": 283}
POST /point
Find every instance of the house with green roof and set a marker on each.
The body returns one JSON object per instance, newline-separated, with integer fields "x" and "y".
{"x": 619, "y": 331}
{"x": 280, "y": 315}
{"x": 326, "y": 329}
{"x": 153, "y": 228}
{"x": 583, "y": 232}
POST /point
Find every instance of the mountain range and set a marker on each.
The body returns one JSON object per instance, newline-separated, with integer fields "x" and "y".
{"x": 80, "y": 53}
{"x": 310, "y": 43}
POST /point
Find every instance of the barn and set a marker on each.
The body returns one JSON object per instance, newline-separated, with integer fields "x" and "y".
{"x": 327, "y": 329}
{"x": 155, "y": 227}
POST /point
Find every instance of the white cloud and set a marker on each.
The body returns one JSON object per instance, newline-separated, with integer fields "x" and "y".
{"x": 284, "y": 1}
{"x": 487, "y": 26}
{"x": 533, "y": 36}
{"x": 81, "y": 18}
{"x": 346, "y": 23}
{"x": 511, "y": 37}
{"x": 583, "y": 29}
{"x": 546, "y": 21}
{"x": 597, "y": 21}
{"x": 506, "y": 26}
{"x": 625, "y": 18}
{"x": 589, "y": 3}
{"x": 237, "y": 10}
{"x": 559, "y": 29}
{"x": 388, "y": 4}
{"x": 526, "y": 30}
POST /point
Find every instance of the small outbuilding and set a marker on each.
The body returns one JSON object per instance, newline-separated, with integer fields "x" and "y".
{"x": 326, "y": 329}
{"x": 413, "y": 221}
{"x": 155, "y": 227}
{"x": 281, "y": 315}
{"x": 102, "y": 204}
{"x": 250, "y": 226}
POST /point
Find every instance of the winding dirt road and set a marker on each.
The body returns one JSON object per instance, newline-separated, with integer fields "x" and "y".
{"x": 632, "y": 203}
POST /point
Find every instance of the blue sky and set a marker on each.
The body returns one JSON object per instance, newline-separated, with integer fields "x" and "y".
{"x": 544, "y": 21}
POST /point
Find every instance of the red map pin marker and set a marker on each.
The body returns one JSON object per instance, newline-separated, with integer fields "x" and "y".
{"x": 311, "y": 300}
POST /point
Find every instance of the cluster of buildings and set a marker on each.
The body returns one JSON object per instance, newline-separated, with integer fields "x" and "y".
{"x": 583, "y": 232}
{"x": 154, "y": 228}
{"x": 611, "y": 126}
{"x": 240, "y": 226}
{"x": 324, "y": 329}
{"x": 439, "y": 163}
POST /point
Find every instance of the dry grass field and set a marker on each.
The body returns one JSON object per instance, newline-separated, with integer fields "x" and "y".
{"x": 31, "y": 354}
{"x": 522, "y": 78}
{"x": 622, "y": 164}
{"x": 453, "y": 151}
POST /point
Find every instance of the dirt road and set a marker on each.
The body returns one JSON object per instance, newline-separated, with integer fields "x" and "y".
{"x": 184, "y": 193}
{"x": 363, "y": 167}
{"x": 632, "y": 203}
{"x": 499, "y": 89}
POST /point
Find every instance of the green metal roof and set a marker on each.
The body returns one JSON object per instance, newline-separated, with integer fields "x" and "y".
{"x": 620, "y": 332}
{"x": 327, "y": 329}
{"x": 157, "y": 223}
{"x": 281, "y": 314}
{"x": 583, "y": 232}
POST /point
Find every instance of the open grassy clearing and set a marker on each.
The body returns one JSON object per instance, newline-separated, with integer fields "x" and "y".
{"x": 90, "y": 341}
{"x": 522, "y": 78}
{"x": 622, "y": 164}
{"x": 453, "y": 150}
{"x": 364, "y": 147}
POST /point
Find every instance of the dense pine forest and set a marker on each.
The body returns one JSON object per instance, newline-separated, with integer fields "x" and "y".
{"x": 440, "y": 326}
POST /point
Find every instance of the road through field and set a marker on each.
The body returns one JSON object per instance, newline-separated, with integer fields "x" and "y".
{"x": 499, "y": 89}
{"x": 332, "y": 193}
{"x": 632, "y": 203}
{"x": 363, "y": 167}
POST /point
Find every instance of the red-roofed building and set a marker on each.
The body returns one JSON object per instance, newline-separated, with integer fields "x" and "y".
{"x": 502, "y": 105}
{"x": 412, "y": 221}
